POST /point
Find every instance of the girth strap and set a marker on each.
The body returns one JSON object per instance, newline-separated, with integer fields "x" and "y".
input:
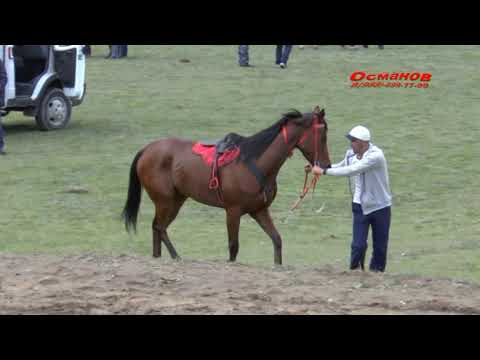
{"x": 261, "y": 179}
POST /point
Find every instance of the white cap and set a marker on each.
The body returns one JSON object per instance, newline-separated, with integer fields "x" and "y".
{"x": 360, "y": 133}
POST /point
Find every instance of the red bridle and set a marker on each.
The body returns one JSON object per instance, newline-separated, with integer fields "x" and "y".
{"x": 315, "y": 129}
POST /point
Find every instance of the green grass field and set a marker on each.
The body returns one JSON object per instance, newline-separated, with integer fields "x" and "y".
{"x": 430, "y": 137}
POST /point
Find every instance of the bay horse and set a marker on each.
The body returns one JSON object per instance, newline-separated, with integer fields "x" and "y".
{"x": 170, "y": 173}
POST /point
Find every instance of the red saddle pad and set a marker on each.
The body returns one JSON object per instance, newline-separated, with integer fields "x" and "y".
{"x": 207, "y": 152}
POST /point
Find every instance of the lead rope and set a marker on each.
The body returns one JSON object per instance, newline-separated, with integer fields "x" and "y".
{"x": 308, "y": 169}
{"x": 306, "y": 188}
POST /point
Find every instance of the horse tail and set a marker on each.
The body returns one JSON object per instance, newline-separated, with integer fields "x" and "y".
{"x": 130, "y": 212}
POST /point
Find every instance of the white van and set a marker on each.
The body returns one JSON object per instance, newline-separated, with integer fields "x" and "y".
{"x": 44, "y": 81}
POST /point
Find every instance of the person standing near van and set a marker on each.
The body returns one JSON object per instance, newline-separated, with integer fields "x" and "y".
{"x": 3, "y": 84}
{"x": 119, "y": 51}
{"x": 124, "y": 50}
{"x": 87, "y": 50}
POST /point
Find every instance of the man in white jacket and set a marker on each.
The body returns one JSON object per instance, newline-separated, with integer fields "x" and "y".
{"x": 366, "y": 167}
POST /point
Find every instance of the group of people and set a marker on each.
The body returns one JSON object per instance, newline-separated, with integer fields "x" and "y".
{"x": 381, "y": 47}
{"x": 115, "y": 51}
{"x": 282, "y": 54}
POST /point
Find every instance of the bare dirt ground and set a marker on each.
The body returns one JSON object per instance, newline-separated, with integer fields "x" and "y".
{"x": 95, "y": 284}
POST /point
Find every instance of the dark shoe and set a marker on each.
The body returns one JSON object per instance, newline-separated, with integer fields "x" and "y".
{"x": 246, "y": 65}
{"x": 358, "y": 269}
{"x": 2, "y": 152}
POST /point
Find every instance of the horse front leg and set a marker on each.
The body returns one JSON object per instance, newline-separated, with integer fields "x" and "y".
{"x": 233, "y": 226}
{"x": 265, "y": 221}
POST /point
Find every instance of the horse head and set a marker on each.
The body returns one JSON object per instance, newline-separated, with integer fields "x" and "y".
{"x": 313, "y": 142}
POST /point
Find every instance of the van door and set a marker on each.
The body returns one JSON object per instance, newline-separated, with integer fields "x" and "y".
{"x": 6, "y": 54}
{"x": 69, "y": 64}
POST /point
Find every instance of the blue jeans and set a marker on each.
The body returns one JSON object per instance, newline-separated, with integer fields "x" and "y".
{"x": 380, "y": 223}
{"x": 283, "y": 53}
{"x": 119, "y": 51}
{"x": 243, "y": 55}
{"x": 124, "y": 50}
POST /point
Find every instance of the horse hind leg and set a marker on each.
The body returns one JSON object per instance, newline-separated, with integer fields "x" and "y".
{"x": 157, "y": 240}
{"x": 169, "y": 245}
{"x": 165, "y": 215}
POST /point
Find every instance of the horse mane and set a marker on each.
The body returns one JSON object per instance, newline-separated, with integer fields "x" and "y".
{"x": 251, "y": 148}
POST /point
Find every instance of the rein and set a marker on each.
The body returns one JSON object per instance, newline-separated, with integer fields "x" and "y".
{"x": 315, "y": 128}
{"x": 306, "y": 189}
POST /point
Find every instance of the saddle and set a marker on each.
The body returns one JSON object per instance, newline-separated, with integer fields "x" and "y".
{"x": 227, "y": 143}
{"x": 221, "y": 153}
{"x": 217, "y": 155}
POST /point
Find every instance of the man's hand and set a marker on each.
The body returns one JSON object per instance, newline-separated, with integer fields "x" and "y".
{"x": 317, "y": 171}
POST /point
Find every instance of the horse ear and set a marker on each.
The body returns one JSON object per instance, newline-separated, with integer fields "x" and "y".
{"x": 319, "y": 112}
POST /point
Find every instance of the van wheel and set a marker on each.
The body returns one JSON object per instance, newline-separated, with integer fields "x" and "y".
{"x": 55, "y": 111}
